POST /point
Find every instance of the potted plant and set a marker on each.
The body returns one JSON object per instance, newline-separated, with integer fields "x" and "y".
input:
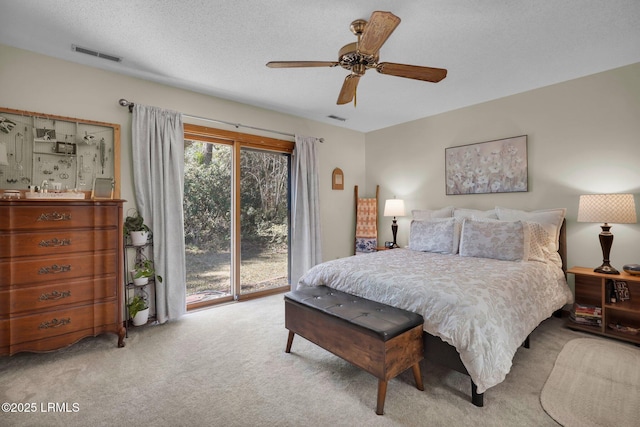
{"x": 138, "y": 310}
{"x": 136, "y": 229}
{"x": 142, "y": 271}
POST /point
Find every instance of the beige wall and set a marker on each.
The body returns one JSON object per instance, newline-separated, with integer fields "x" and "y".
{"x": 583, "y": 137}
{"x": 38, "y": 83}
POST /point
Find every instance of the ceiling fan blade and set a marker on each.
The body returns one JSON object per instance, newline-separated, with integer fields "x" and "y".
{"x": 301, "y": 64}
{"x": 348, "y": 90}
{"x": 426, "y": 74}
{"x": 377, "y": 31}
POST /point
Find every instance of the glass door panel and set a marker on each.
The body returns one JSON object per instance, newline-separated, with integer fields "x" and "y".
{"x": 264, "y": 220}
{"x": 207, "y": 222}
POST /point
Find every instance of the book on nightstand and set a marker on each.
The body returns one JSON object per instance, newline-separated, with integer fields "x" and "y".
{"x": 622, "y": 290}
{"x": 589, "y": 315}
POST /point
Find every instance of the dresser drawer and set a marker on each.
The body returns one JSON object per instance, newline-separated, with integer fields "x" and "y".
{"x": 54, "y": 323}
{"x": 57, "y": 242}
{"x": 51, "y": 296}
{"x": 57, "y": 269}
{"x": 57, "y": 216}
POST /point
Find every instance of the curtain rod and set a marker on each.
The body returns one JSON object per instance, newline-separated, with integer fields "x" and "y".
{"x": 124, "y": 103}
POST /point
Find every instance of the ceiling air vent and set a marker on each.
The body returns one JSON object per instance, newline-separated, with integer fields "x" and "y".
{"x": 337, "y": 118}
{"x": 95, "y": 53}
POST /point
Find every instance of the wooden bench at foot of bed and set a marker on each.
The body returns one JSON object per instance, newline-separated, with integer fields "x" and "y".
{"x": 383, "y": 340}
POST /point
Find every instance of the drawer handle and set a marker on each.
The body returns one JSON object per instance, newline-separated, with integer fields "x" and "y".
{"x": 55, "y": 242}
{"x": 54, "y": 216}
{"x": 54, "y": 269}
{"x": 54, "y": 323}
{"x": 55, "y": 295}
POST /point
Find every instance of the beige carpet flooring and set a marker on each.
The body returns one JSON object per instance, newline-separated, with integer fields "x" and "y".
{"x": 226, "y": 366}
{"x": 594, "y": 383}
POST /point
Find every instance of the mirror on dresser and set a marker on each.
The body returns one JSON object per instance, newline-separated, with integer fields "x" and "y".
{"x": 56, "y": 153}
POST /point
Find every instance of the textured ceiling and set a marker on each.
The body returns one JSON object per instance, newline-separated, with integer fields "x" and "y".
{"x": 491, "y": 48}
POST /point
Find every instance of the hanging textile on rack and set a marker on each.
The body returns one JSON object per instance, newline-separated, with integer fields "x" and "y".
{"x": 366, "y": 223}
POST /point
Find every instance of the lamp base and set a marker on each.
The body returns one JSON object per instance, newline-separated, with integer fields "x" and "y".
{"x": 606, "y": 240}
{"x": 606, "y": 269}
{"x": 394, "y": 231}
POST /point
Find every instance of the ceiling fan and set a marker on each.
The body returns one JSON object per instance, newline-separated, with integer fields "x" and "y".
{"x": 362, "y": 55}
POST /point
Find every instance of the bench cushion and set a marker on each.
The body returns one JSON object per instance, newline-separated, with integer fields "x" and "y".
{"x": 384, "y": 321}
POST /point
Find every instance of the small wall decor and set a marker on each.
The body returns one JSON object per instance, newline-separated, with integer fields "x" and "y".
{"x": 337, "y": 179}
{"x": 498, "y": 166}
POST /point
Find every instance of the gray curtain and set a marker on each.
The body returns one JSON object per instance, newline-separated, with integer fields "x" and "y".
{"x": 158, "y": 173}
{"x": 306, "y": 247}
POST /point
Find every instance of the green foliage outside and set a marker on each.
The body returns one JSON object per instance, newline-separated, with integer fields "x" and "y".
{"x": 207, "y": 197}
{"x": 207, "y": 204}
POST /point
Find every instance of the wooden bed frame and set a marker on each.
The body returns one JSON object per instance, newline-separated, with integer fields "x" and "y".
{"x": 438, "y": 351}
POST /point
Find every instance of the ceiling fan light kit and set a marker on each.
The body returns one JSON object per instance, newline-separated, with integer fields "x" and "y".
{"x": 363, "y": 55}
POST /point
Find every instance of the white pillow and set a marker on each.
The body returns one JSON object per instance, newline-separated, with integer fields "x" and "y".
{"x": 540, "y": 244}
{"x": 422, "y": 215}
{"x": 503, "y": 240}
{"x": 440, "y": 235}
{"x": 550, "y": 219}
{"x": 469, "y": 213}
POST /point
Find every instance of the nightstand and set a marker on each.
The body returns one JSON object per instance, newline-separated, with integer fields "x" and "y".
{"x": 591, "y": 290}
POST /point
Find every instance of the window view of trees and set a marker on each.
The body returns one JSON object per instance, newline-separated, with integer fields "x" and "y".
{"x": 264, "y": 220}
{"x": 208, "y": 219}
{"x": 207, "y": 195}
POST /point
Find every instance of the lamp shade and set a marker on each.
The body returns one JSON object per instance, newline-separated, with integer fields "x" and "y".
{"x": 607, "y": 208}
{"x": 394, "y": 207}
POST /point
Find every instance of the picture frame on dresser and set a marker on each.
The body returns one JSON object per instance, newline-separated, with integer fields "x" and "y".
{"x": 102, "y": 188}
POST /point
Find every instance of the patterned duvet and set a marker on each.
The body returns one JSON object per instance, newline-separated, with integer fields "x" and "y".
{"x": 485, "y": 308}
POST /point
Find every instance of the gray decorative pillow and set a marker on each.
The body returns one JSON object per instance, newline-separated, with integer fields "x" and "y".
{"x": 438, "y": 235}
{"x": 501, "y": 240}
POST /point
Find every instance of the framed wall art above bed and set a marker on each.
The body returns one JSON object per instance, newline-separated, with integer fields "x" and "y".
{"x": 498, "y": 166}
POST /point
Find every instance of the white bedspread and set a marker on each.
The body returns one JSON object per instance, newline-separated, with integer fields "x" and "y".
{"x": 485, "y": 308}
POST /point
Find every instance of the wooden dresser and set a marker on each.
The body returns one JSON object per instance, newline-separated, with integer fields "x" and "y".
{"x": 60, "y": 273}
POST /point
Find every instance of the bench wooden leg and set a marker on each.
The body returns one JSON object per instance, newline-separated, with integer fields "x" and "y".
{"x": 382, "y": 394}
{"x": 418, "y": 376}
{"x": 289, "y": 342}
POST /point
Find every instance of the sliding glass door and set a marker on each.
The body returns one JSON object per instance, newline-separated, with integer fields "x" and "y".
{"x": 264, "y": 220}
{"x": 207, "y": 222}
{"x": 236, "y": 215}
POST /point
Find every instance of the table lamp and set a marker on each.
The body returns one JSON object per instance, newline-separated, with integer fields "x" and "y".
{"x": 606, "y": 208}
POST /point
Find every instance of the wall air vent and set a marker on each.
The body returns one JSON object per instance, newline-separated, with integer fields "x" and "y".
{"x": 337, "y": 118}
{"x": 95, "y": 53}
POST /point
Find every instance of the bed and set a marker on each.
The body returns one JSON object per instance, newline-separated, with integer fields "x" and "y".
{"x": 482, "y": 280}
